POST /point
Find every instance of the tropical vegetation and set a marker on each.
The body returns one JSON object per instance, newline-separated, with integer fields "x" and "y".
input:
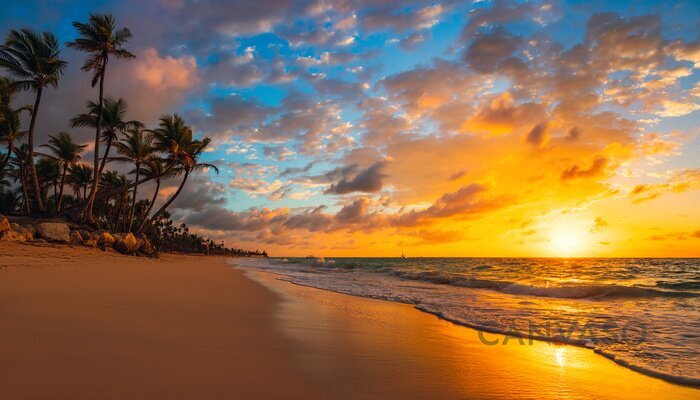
{"x": 53, "y": 180}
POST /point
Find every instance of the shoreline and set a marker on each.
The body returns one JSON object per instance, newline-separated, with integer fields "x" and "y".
{"x": 80, "y": 324}
{"x": 681, "y": 381}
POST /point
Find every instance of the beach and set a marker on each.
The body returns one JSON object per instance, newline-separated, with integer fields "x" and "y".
{"x": 78, "y": 323}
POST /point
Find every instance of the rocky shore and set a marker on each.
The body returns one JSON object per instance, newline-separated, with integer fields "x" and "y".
{"x": 65, "y": 233}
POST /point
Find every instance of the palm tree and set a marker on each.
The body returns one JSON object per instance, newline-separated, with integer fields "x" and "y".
{"x": 174, "y": 138}
{"x": 101, "y": 39}
{"x": 137, "y": 148}
{"x": 113, "y": 122}
{"x": 49, "y": 172}
{"x": 10, "y": 200}
{"x": 155, "y": 169}
{"x": 80, "y": 176}
{"x": 115, "y": 181}
{"x": 67, "y": 153}
{"x": 33, "y": 59}
{"x": 9, "y": 118}
{"x": 19, "y": 171}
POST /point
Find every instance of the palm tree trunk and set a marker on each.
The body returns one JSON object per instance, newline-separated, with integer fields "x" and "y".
{"x": 88, "y": 207}
{"x": 24, "y": 189}
{"x": 10, "y": 147}
{"x": 150, "y": 207}
{"x": 60, "y": 194}
{"x": 107, "y": 194}
{"x": 121, "y": 223}
{"x": 87, "y": 210}
{"x": 117, "y": 211}
{"x": 30, "y": 142}
{"x": 171, "y": 199}
{"x": 133, "y": 199}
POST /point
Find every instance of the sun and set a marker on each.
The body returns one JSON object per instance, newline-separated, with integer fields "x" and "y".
{"x": 568, "y": 241}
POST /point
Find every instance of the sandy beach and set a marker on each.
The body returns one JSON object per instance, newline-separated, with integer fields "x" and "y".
{"x": 77, "y": 323}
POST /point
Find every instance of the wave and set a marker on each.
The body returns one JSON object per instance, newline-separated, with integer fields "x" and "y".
{"x": 670, "y": 331}
{"x": 563, "y": 291}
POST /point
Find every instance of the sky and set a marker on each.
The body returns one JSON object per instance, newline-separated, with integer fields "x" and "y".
{"x": 433, "y": 128}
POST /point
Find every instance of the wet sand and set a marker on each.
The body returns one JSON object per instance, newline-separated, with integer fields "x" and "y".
{"x": 77, "y": 323}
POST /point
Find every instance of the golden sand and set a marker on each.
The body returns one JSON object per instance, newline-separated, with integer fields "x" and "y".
{"x": 77, "y": 323}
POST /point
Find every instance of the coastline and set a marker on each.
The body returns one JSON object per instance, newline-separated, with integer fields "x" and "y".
{"x": 80, "y": 323}
{"x": 425, "y": 294}
{"x": 586, "y": 376}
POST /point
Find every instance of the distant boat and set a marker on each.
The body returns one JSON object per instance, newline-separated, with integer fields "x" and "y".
{"x": 403, "y": 255}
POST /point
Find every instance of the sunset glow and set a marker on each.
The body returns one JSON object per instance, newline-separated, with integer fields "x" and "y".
{"x": 450, "y": 129}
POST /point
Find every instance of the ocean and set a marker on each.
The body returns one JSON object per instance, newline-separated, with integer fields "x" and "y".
{"x": 641, "y": 313}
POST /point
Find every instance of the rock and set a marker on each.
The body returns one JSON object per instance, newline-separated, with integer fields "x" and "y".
{"x": 11, "y": 236}
{"x": 15, "y": 227}
{"x": 104, "y": 238}
{"x": 145, "y": 248}
{"x": 28, "y": 234}
{"x": 53, "y": 232}
{"x": 4, "y": 224}
{"x": 90, "y": 243}
{"x": 76, "y": 238}
{"x": 125, "y": 244}
{"x": 29, "y": 228}
{"x": 84, "y": 233}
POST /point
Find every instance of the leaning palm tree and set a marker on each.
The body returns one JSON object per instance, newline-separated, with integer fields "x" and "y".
{"x": 80, "y": 176}
{"x": 136, "y": 148}
{"x": 174, "y": 138}
{"x": 67, "y": 153}
{"x": 33, "y": 59}
{"x": 155, "y": 169}
{"x": 113, "y": 122}
{"x": 101, "y": 39}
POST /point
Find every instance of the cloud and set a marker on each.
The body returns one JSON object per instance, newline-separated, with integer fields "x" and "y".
{"x": 354, "y": 212}
{"x": 165, "y": 73}
{"x": 599, "y": 224}
{"x": 488, "y": 51}
{"x": 596, "y": 169}
{"x": 680, "y": 181}
{"x": 367, "y": 181}
{"x": 399, "y": 19}
{"x": 229, "y": 116}
{"x": 539, "y": 134}
{"x": 467, "y": 201}
{"x": 198, "y": 194}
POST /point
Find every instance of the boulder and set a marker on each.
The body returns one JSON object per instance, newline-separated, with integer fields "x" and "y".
{"x": 28, "y": 234}
{"x": 145, "y": 248}
{"x": 126, "y": 244}
{"x": 53, "y": 232}
{"x": 15, "y": 227}
{"x": 29, "y": 228}
{"x": 90, "y": 243}
{"x": 4, "y": 224}
{"x": 104, "y": 238}
{"x": 11, "y": 236}
{"x": 84, "y": 233}
{"x": 76, "y": 238}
